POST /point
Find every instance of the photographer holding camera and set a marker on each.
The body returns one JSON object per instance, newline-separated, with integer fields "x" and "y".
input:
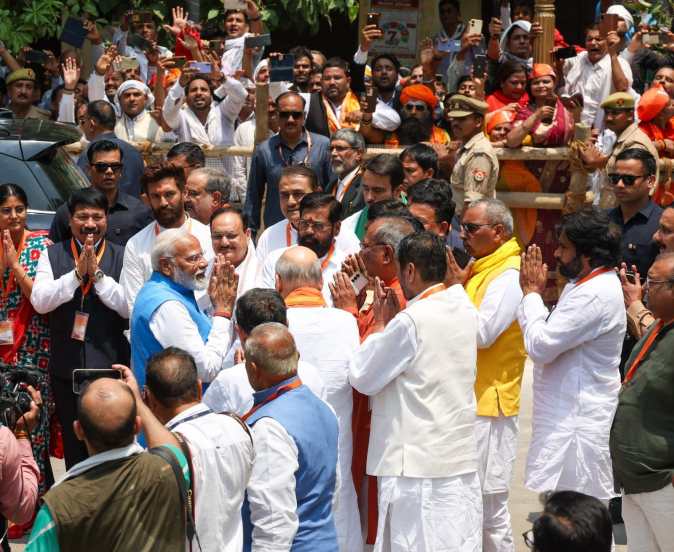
{"x": 19, "y": 473}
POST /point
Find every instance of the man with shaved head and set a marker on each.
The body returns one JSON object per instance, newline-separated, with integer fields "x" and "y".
{"x": 289, "y": 497}
{"x": 642, "y": 442}
{"x": 98, "y": 501}
{"x": 327, "y": 338}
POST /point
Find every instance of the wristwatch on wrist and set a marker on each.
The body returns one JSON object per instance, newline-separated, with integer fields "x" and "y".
{"x": 98, "y": 275}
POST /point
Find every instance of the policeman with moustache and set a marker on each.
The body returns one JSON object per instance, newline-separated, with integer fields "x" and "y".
{"x": 77, "y": 285}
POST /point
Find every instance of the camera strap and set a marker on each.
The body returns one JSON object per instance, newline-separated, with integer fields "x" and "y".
{"x": 185, "y": 493}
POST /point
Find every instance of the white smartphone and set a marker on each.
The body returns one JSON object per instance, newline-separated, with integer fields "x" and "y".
{"x": 475, "y": 26}
{"x": 234, "y": 5}
{"x": 359, "y": 282}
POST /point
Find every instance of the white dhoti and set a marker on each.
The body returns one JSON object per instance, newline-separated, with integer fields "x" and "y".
{"x": 429, "y": 515}
{"x": 649, "y": 520}
{"x": 497, "y": 447}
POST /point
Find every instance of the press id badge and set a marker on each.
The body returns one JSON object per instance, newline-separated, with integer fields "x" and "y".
{"x": 80, "y": 325}
{"x": 6, "y": 332}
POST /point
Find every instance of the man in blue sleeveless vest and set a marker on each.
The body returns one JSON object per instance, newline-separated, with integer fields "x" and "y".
{"x": 288, "y": 504}
{"x": 166, "y": 313}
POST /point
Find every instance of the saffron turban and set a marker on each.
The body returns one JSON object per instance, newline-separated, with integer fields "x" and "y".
{"x": 419, "y": 92}
{"x": 652, "y": 102}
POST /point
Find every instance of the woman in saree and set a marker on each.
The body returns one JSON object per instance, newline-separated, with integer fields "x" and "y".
{"x": 24, "y": 334}
{"x": 546, "y": 123}
{"x": 511, "y": 93}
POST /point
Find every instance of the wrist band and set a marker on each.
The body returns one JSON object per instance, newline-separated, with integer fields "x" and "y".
{"x": 21, "y": 434}
{"x": 224, "y": 314}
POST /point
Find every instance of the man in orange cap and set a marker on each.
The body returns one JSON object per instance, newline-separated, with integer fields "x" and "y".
{"x": 418, "y": 103}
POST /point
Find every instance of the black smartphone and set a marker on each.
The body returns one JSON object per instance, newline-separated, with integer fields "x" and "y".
{"x": 138, "y": 42}
{"x": 282, "y": 68}
{"x": 81, "y": 376}
{"x": 73, "y": 32}
{"x": 565, "y": 53}
{"x": 371, "y": 99}
{"x": 373, "y": 18}
{"x": 258, "y": 41}
{"x": 479, "y": 66}
{"x": 179, "y": 61}
{"x": 35, "y": 56}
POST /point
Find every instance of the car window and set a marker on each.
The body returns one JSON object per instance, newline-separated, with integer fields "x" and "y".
{"x": 58, "y": 176}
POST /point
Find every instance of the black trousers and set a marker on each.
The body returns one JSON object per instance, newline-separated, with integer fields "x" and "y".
{"x": 66, "y": 411}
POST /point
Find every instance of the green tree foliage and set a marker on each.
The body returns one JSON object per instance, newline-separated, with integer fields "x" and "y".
{"x": 22, "y": 22}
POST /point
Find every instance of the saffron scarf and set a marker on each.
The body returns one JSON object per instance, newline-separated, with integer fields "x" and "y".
{"x": 305, "y": 297}
{"x": 350, "y": 103}
{"x": 508, "y": 254}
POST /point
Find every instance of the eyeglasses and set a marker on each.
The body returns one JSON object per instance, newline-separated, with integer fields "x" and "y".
{"x": 472, "y": 227}
{"x": 651, "y": 283}
{"x": 364, "y": 245}
{"x": 528, "y": 537}
{"x": 103, "y": 167}
{"x": 409, "y": 106}
{"x": 341, "y": 149}
{"x": 317, "y": 226}
{"x": 293, "y": 114}
{"x": 628, "y": 179}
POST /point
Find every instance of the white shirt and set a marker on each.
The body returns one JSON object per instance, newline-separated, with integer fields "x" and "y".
{"x": 48, "y": 294}
{"x": 219, "y": 127}
{"x": 339, "y": 194}
{"x": 350, "y": 222}
{"x": 576, "y": 352}
{"x": 222, "y": 459}
{"x": 141, "y": 128}
{"x": 328, "y": 338}
{"x": 137, "y": 266}
{"x": 271, "y": 489}
{"x": 231, "y": 391}
{"x": 275, "y": 237}
{"x": 244, "y": 136}
{"x": 594, "y": 82}
{"x": 173, "y": 326}
{"x": 498, "y": 309}
{"x": 334, "y": 264}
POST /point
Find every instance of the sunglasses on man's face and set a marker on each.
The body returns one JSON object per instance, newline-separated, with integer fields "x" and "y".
{"x": 628, "y": 179}
{"x": 415, "y": 107}
{"x": 103, "y": 167}
{"x": 293, "y": 114}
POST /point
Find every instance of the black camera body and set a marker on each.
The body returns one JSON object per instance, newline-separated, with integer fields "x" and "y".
{"x": 14, "y": 396}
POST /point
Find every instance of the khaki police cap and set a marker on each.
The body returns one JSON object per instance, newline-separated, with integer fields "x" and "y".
{"x": 619, "y": 100}
{"x": 20, "y": 74}
{"x": 462, "y": 106}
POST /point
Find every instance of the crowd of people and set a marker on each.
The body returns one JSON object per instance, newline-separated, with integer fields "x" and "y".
{"x": 316, "y": 348}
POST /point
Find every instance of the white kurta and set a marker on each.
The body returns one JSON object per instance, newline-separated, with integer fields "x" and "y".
{"x": 576, "y": 352}
{"x": 328, "y": 338}
{"x": 231, "y": 391}
{"x": 222, "y": 458}
{"x": 334, "y": 265}
{"x": 594, "y": 82}
{"x": 421, "y": 513}
{"x": 219, "y": 127}
{"x": 137, "y": 267}
{"x": 141, "y": 128}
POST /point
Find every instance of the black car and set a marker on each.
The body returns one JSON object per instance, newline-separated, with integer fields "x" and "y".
{"x": 32, "y": 156}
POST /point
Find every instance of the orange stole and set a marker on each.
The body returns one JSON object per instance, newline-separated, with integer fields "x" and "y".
{"x": 305, "y": 297}
{"x": 515, "y": 177}
{"x": 350, "y": 103}
{"x": 438, "y": 136}
{"x": 360, "y": 426}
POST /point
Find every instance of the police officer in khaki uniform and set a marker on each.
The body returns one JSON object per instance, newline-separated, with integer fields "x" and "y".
{"x": 619, "y": 118}
{"x": 475, "y": 172}
{"x": 20, "y": 87}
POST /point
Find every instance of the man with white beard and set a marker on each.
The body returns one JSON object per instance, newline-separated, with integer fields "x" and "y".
{"x": 166, "y": 313}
